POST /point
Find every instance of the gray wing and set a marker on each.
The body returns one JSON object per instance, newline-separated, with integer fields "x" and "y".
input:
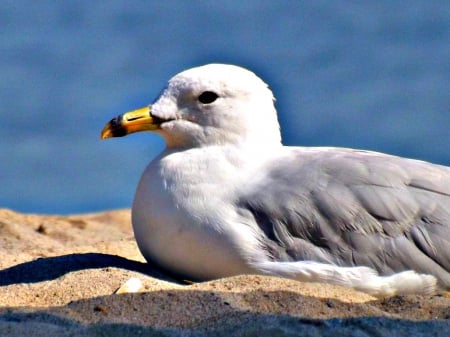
{"x": 350, "y": 207}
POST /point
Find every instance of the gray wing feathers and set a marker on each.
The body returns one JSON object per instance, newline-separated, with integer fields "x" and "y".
{"x": 351, "y": 207}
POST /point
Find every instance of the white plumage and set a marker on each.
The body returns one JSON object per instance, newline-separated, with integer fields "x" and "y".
{"x": 226, "y": 197}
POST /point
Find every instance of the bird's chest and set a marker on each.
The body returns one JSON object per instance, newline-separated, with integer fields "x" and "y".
{"x": 180, "y": 222}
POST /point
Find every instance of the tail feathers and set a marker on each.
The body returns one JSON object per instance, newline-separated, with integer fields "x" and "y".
{"x": 360, "y": 278}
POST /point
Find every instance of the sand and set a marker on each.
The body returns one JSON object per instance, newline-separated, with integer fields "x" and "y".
{"x": 59, "y": 276}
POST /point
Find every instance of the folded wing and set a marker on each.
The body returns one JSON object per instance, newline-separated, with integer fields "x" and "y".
{"x": 353, "y": 208}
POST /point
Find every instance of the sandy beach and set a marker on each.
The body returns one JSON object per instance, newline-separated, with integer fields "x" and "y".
{"x": 59, "y": 276}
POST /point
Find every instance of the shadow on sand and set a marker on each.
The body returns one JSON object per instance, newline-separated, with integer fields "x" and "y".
{"x": 50, "y": 268}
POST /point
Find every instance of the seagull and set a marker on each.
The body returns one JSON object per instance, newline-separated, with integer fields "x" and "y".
{"x": 225, "y": 197}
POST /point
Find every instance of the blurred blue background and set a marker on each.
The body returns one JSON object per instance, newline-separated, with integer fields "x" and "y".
{"x": 372, "y": 75}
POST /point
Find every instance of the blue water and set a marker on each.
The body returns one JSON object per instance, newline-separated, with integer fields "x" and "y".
{"x": 372, "y": 75}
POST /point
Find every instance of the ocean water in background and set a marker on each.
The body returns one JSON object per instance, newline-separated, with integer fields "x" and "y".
{"x": 371, "y": 75}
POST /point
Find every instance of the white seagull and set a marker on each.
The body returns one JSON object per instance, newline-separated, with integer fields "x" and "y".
{"x": 226, "y": 197}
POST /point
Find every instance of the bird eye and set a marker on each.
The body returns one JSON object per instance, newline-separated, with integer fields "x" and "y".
{"x": 207, "y": 97}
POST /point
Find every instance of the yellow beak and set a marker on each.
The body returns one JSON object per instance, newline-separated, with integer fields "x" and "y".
{"x": 129, "y": 122}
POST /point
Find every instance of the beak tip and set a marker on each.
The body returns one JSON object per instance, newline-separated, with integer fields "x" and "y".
{"x": 106, "y": 132}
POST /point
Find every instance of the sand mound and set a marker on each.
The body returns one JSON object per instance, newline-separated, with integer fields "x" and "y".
{"x": 58, "y": 277}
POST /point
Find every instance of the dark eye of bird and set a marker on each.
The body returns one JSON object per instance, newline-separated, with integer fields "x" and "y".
{"x": 207, "y": 97}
